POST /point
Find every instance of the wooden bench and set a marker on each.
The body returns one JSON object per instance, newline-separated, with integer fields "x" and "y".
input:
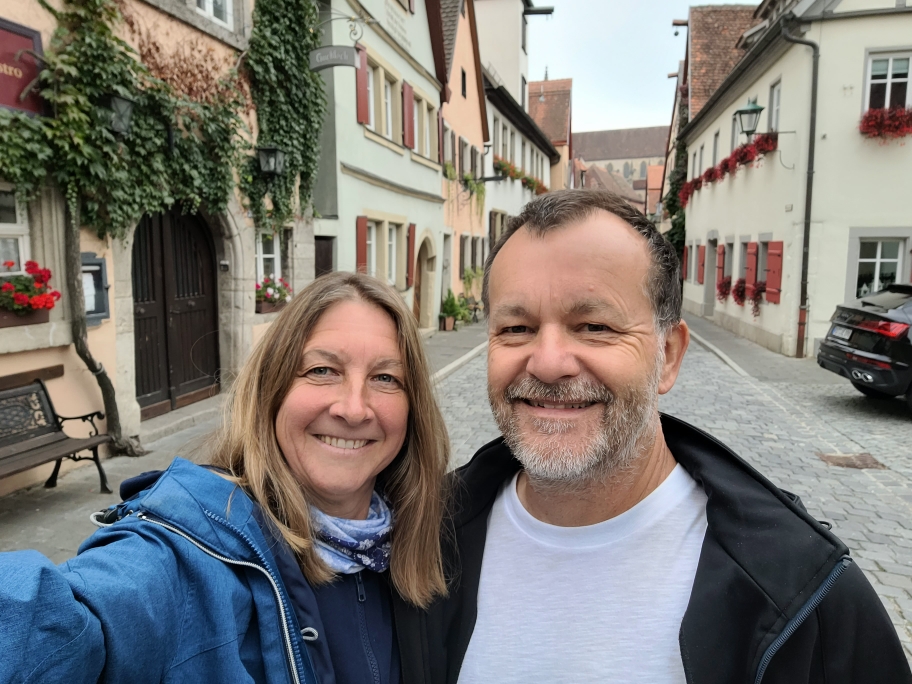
{"x": 31, "y": 434}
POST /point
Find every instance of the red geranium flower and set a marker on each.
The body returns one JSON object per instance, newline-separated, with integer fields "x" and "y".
{"x": 21, "y": 299}
{"x": 9, "y": 264}
{"x": 31, "y": 267}
{"x": 7, "y": 287}
{"x": 55, "y": 295}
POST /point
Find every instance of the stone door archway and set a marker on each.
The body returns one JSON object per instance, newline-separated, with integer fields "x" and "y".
{"x": 425, "y": 269}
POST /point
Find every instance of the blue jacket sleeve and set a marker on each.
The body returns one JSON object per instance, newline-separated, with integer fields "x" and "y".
{"x": 111, "y": 614}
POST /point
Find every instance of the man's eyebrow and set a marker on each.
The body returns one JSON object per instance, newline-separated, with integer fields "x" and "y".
{"x": 511, "y": 311}
{"x": 584, "y": 307}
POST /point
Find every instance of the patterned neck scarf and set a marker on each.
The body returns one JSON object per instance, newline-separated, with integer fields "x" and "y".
{"x": 349, "y": 546}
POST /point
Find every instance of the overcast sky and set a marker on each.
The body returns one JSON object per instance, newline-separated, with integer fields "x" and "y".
{"x": 618, "y": 53}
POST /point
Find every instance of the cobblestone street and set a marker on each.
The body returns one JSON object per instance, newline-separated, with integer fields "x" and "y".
{"x": 780, "y": 428}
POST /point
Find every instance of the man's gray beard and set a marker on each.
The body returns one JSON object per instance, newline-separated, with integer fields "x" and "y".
{"x": 626, "y": 430}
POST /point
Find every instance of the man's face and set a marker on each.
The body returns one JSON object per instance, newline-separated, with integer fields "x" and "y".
{"x": 575, "y": 364}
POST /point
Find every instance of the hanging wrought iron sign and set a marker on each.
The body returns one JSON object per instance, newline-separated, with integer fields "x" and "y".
{"x": 333, "y": 56}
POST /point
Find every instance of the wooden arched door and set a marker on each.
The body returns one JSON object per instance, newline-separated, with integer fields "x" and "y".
{"x": 175, "y": 312}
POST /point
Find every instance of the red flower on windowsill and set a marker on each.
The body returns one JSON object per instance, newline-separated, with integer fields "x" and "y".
{"x": 22, "y": 294}
{"x": 886, "y": 123}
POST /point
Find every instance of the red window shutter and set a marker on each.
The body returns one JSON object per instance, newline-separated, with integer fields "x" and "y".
{"x": 684, "y": 262}
{"x": 410, "y": 267}
{"x": 701, "y": 263}
{"x": 361, "y": 86}
{"x": 440, "y": 138}
{"x": 720, "y": 263}
{"x": 774, "y": 272}
{"x": 750, "y": 272}
{"x": 408, "y": 115}
{"x": 361, "y": 244}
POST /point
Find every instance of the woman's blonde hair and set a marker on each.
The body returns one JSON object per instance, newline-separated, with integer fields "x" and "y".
{"x": 413, "y": 483}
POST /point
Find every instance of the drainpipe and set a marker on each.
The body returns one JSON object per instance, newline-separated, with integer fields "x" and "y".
{"x": 812, "y": 139}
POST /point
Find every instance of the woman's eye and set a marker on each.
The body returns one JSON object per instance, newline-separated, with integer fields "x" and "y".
{"x": 387, "y": 378}
{"x": 320, "y": 371}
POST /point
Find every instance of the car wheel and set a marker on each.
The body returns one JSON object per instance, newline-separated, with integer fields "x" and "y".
{"x": 871, "y": 392}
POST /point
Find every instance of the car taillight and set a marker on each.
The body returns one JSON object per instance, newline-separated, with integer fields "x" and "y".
{"x": 889, "y": 329}
{"x": 871, "y": 362}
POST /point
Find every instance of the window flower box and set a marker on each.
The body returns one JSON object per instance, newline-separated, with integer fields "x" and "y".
{"x": 8, "y": 319}
{"x": 272, "y": 295}
{"x": 886, "y": 123}
{"x": 26, "y": 299}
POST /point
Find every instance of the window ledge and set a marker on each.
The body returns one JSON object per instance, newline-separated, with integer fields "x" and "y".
{"x": 189, "y": 14}
{"x": 380, "y": 140}
{"x": 425, "y": 161}
{"x": 32, "y": 337}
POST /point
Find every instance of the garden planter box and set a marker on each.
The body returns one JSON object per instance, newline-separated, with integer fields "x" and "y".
{"x": 269, "y": 307}
{"x": 9, "y": 319}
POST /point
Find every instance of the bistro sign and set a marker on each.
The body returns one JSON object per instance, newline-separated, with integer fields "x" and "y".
{"x": 19, "y": 69}
{"x": 333, "y": 56}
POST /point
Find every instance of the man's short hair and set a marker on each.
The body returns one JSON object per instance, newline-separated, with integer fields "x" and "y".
{"x": 555, "y": 210}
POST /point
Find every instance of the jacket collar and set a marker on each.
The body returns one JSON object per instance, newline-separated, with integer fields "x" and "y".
{"x": 762, "y": 558}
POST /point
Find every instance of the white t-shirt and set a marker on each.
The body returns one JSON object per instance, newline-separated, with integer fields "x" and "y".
{"x": 600, "y": 603}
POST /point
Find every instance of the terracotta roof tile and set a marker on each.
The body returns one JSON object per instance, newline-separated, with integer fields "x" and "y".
{"x": 449, "y": 10}
{"x": 714, "y": 33}
{"x": 549, "y": 106}
{"x": 625, "y": 143}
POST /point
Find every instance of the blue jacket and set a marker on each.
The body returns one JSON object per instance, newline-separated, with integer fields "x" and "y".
{"x": 185, "y": 587}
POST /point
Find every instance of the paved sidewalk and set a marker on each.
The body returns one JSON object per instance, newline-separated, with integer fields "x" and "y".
{"x": 56, "y": 521}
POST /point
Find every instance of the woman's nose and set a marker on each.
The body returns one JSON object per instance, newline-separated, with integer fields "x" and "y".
{"x": 351, "y": 405}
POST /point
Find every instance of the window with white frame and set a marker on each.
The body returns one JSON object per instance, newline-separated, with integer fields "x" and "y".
{"x": 268, "y": 256}
{"x": 736, "y": 129}
{"x": 371, "y": 248}
{"x": 512, "y": 147}
{"x": 447, "y": 144}
{"x": 14, "y": 232}
{"x": 392, "y": 245}
{"x": 496, "y": 129}
{"x": 699, "y": 169}
{"x": 775, "y": 99}
{"x": 429, "y": 124}
{"x": 888, "y": 81}
{"x": 715, "y": 148}
{"x": 742, "y": 264}
{"x": 879, "y": 263}
{"x": 505, "y": 139}
{"x": 220, "y": 11}
{"x": 388, "y": 109}
{"x": 371, "y": 107}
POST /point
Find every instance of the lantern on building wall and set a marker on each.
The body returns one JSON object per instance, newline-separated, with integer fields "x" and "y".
{"x": 749, "y": 117}
{"x": 272, "y": 160}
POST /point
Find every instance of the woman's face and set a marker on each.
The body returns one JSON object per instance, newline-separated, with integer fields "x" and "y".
{"x": 346, "y": 415}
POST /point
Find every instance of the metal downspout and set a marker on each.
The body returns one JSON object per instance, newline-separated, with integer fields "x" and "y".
{"x": 812, "y": 139}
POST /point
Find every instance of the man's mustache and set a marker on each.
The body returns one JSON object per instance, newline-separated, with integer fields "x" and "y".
{"x": 576, "y": 391}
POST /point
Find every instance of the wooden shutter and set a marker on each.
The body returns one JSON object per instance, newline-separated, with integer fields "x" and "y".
{"x": 410, "y": 256}
{"x": 750, "y": 272}
{"x": 440, "y": 138}
{"x": 684, "y": 261}
{"x": 701, "y": 263}
{"x": 361, "y": 75}
{"x": 720, "y": 263}
{"x": 462, "y": 255}
{"x": 408, "y": 115}
{"x": 774, "y": 272}
{"x": 361, "y": 244}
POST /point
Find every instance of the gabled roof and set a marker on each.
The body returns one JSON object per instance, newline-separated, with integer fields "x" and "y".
{"x": 550, "y": 107}
{"x": 713, "y": 35}
{"x": 625, "y": 143}
{"x": 438, "y": 48}
{"x": 449, "y": 10}
{"x": 598, "y": 177}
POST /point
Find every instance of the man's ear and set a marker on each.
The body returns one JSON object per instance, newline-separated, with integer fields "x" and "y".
{"x": 676, "y": 341}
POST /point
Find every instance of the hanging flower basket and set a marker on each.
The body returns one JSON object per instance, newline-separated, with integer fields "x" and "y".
{"x": 886, "y": 123}
{"x": 766, "y": 143}
{"x": 723, "y": 288}
{"x": 756, "y": 296}
{"x": 739, "y": 291}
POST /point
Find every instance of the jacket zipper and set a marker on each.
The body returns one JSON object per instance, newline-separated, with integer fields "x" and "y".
{"x": 365, "y": 637}
{"x": 809, "y": 607}
{"x": 289, "y": 647}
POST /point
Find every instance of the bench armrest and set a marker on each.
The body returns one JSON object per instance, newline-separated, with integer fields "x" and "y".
{"x": 87, "y": 418}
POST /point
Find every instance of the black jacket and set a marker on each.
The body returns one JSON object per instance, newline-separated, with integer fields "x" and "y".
{"x": 776, "y": 597}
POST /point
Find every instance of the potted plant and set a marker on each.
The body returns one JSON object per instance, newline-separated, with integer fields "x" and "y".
{"x": 26, "y": 299}
{"x": 449, "y": 310}
{"x": 272, "y": 295}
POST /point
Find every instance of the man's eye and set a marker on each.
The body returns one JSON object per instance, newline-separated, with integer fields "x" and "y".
{"x": 516, "y": 329}
{"x": 597, "y": 327}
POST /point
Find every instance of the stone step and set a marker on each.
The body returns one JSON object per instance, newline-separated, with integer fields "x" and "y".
{"x": 170, "y": 423}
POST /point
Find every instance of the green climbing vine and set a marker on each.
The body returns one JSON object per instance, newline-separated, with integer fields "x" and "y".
{"x": 290, "y": 104}
{"x": 178, "y": 149}
{"x": 672, "y": 202}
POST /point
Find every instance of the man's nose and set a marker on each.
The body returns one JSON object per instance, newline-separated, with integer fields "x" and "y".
{"x": 351, "y": 403}
{"x": 552, "y": 359}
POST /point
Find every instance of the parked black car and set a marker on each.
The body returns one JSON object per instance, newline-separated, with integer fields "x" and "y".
{"x": 870, "y": 343}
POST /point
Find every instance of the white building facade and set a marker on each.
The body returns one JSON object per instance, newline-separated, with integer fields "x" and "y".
{"x": 751, "y": 225}
{"x": 378, "y": 203}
